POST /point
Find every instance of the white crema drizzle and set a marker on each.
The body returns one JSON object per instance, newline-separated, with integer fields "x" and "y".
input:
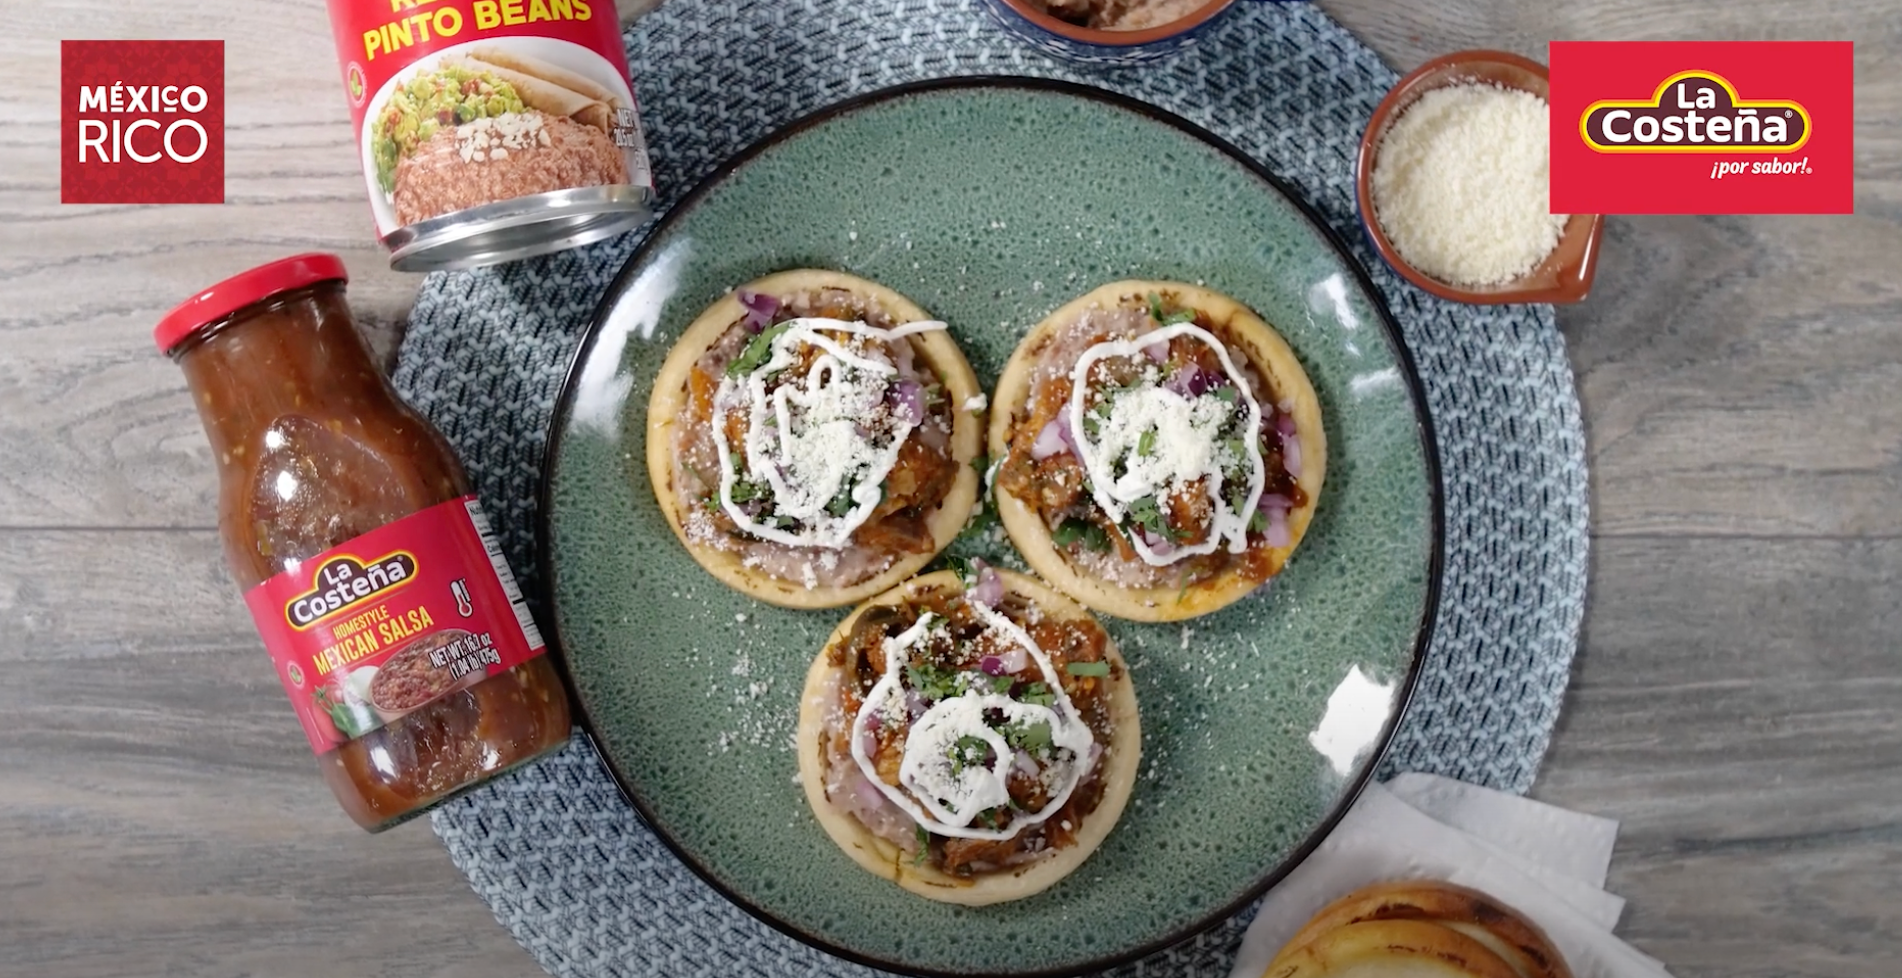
{"x": 1185, "y": 445}
{"x": 946, "y": 802}
{"x": 809, "y": 439}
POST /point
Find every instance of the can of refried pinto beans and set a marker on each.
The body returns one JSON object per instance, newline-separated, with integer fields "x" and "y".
{"x": 491, "y": 130}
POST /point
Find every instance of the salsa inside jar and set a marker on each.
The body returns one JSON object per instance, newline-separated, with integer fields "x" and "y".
{"x": 315, "y": 452}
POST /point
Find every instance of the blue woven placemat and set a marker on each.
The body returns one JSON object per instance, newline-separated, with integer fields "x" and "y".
{"x": 567, "y": 866}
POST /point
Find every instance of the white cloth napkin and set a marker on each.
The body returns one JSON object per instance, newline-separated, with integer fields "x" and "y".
{"x": 1546, "y": 862}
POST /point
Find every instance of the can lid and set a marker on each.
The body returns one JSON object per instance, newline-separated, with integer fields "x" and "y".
{"x": 240, "y": 290}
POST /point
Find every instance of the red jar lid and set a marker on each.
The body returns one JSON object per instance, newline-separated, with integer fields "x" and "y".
{"x": 242, "y": 289}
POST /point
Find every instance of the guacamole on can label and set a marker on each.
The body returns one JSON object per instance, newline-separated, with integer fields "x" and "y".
{"x": 492, "y": 129}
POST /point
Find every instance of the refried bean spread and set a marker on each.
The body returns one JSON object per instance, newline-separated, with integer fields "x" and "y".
{"x": 1120, "y": 15}
{"x": 374, "y": 579}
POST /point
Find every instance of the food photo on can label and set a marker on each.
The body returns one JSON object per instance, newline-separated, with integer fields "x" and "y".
{"x": 978, "y": 489}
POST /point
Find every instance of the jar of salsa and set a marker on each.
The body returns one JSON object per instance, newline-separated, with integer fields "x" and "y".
{"x": 370, "y": 570}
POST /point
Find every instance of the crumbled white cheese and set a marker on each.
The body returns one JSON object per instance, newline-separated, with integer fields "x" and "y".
{"x": 833, "y": 433}
{"x": 945, "y": 796}
{"x": 491, "y": 137}
{"x": 1460, "y": 184}
{"x": 1183, "y": 436}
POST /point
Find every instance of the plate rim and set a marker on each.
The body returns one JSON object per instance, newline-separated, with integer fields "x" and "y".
{"x": 564, "y": 403}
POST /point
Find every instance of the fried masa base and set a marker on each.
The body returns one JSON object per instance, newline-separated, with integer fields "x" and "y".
{"x": 1120, "y": 762}
{"x": 668, "y": 406}
{"x": 1243, "y": 332}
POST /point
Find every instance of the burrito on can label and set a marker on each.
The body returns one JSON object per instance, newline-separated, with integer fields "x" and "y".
{"x": 491, "y": 130}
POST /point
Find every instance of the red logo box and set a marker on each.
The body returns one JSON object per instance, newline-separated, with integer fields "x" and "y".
{"x": 1703, "y": 127}
{"x": 142, "y": 122}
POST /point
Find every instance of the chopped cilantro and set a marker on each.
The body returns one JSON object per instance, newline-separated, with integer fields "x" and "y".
{"x": 1146, "y": 512}
{"x": 1001, "y": 684}
{"x": 1258, "y": 523}
{"x": 982, "y": 463}
{"x": 1031, "y": 737}
{"x": 1227, "y": 392}
{"x": 969, "y": 751}
{"x": 934, "y": 395}
{"x": 842, "y": 503}
{"x": 932, "y": 682}
{"x": 980, "y": 523}
{"x": 924, "y": 846}
{"x": 1146, "y": 445}
{"x": 1097, "y": 669}
{"x": 746, "y": 492}
{"x": 758, "y": 350}
{"x": 1169, "y": 319}
{"x": 1085, "y": 532}
{"x": 1039, "y": 695}
{"x": 989, "y": 817}
{"x": 963, "y": 567}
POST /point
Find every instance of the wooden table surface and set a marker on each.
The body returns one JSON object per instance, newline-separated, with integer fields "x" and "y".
{"x": 1735, "y": 704}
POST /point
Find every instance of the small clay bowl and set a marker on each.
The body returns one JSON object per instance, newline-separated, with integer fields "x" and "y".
{"x": 1565, "y": 275}
{"x": 1065, "y": 40}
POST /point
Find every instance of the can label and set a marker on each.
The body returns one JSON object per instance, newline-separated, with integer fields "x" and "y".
{"x": 393, "y": 620}
{"x": 460, "y": 103}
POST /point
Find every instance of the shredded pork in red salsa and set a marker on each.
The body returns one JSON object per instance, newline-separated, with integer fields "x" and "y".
{"x": 917, "y": 483}
{"x": 962, "y": 655}
{"x": 1044, "y": 468}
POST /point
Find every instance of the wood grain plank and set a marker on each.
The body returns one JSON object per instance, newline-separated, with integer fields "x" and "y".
{"x": 1735, "y": 709}
{"x": 166, "y": 820}
{"x": 158, "y": 594}
{"x": 1739, "y": 374}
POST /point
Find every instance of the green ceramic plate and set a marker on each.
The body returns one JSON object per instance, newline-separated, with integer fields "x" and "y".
{"x": 990, "y": 202}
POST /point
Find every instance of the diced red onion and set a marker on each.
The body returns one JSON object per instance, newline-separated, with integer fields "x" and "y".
{"x": 908, "y": 401}
{"x": 1284, "y": 423}
{"x": 1050, "y": 440}
{"x": 1274, "y": 500}
{"x": 914, "y": 704}
{"x": 1022, "y": 764}
{"x": 1159, "y": 546}
{"x": 1191, "y": 380}
{"x": 991, "y": 665}
{"x": 1285, "y": 406}
{"x": 865, "y": 799}
{"x": 870, "y": 742}
{"x": 1277, "y": 535}
{"x": 759, "y": 308}
{"x": 873, "y": 721}
{"x": 1065, "y": 432}
{"x": 1158, "y": 352}
{"x": 990, "y": 588}
{"x": 1291, "y": 455}
{"x": 1014, "y": 660}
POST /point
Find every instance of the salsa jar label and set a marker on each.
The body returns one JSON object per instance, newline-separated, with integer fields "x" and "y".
{"x": 461, "y": 103}
{"x": 393, "y": 620}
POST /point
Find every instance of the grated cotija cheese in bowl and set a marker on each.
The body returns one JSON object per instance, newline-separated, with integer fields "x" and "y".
{"x": 1459, "y": 184}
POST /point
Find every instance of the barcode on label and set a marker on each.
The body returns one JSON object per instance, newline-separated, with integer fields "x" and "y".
{"x": 502, "y": 573}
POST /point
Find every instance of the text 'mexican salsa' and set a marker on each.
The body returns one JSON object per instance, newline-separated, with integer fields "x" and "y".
{"x": 369, "y": 568}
